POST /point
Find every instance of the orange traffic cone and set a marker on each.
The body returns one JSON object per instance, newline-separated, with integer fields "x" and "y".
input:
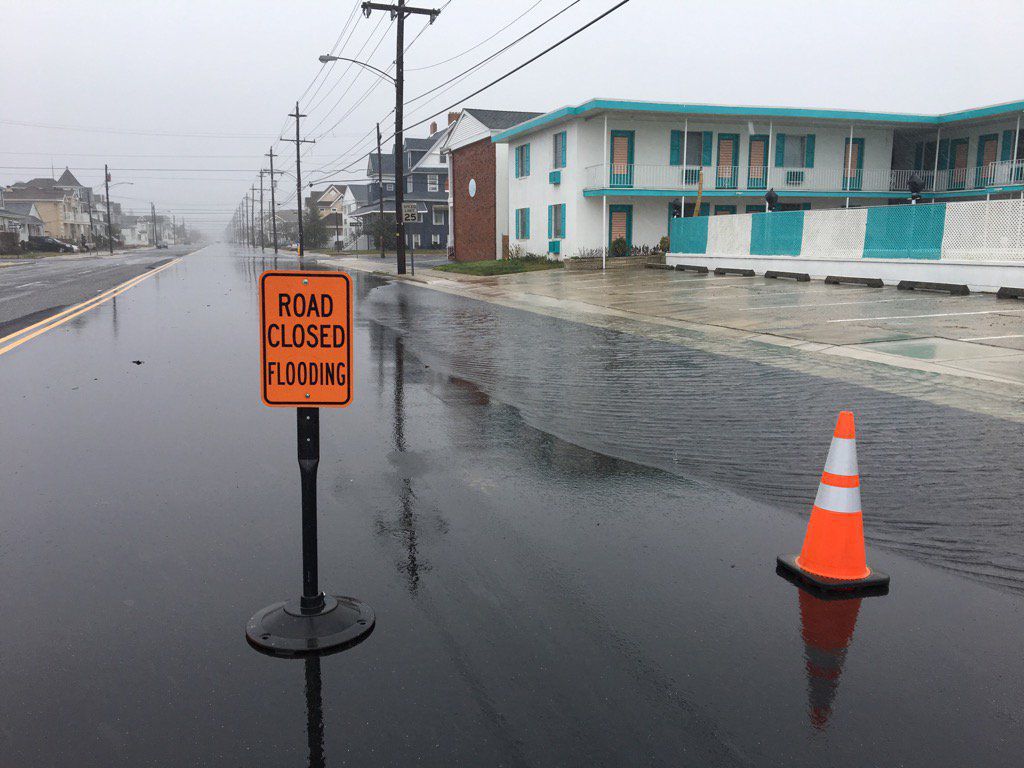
{"x": 827, "y": 630}
{"x": 833, "y": 556}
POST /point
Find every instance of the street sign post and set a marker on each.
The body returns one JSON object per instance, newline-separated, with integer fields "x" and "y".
{"x": 306, "y": 354}
{"x": 409, "y": 215}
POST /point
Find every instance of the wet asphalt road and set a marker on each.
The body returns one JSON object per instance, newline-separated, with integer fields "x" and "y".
{"x": 37, "y": 288}
{"x": 538, "y": 603}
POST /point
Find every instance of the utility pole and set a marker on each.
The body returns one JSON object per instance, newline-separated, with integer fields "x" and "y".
{"x": 261, "y": 208}
{"x": 106, "y": 187}
{"x": 298, "y": 141}
{"x": 273, "y": 203}
{"x": 380, "y": 193}
{"x": 399, "y": 12}
{"x": 245, "y": 218}
{"x": 252, "y": 216}
{"x": 156, "y": 237}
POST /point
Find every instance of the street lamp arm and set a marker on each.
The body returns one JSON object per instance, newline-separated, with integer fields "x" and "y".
{"x": 326, "y": 58}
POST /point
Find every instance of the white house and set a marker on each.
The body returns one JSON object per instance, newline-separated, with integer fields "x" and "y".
{"x": 581, "y": 177}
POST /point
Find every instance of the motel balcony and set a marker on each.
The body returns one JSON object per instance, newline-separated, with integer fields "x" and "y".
{"x": 621, "y": 179}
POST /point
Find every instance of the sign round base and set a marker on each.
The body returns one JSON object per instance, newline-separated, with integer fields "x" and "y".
{"x": 283, "y": 629}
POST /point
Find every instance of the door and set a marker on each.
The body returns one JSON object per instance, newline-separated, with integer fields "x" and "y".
{"x": 621, "y": 159}
{"x": 620, "y": 224}
{"x": 757, "y": 165}
{"x": 988, "y": 147}
{"x": 728, "y": 160}
{"x": 853, "y": 165}
{"x": 957, "y": 164}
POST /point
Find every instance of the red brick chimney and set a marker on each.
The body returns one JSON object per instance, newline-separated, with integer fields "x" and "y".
{"x": 453, "y": 116}
{"x": 433, "y": 127}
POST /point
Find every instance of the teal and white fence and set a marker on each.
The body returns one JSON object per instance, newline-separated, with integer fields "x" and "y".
{"x": 980, "y": 243}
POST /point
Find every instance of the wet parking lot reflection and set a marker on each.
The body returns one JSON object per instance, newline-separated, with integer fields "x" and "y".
{"x": 539, "y": 601}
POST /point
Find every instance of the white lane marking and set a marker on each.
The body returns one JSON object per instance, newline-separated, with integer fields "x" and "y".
{"x": 987, "y": 338}
{"x": 835, "y": 304}
{"x": 937, "y": 314}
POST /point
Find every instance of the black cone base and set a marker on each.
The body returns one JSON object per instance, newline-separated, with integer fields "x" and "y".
{"x": 875, "y": 584}
{"x": 283, "y": 630}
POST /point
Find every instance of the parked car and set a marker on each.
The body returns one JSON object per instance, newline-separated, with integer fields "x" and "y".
{"x": 46, "y": 243}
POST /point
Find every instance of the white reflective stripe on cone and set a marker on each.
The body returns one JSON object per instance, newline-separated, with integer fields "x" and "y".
{"x": 842, "y": 457}
{"x": 833, "y": 499}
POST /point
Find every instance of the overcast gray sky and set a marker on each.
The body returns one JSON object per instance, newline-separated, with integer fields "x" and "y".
{"x": 228, "y": 72}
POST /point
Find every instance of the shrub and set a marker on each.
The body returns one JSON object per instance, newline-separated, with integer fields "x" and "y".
{"x": 665, "y": 244}
{"x": 620, "y": 248}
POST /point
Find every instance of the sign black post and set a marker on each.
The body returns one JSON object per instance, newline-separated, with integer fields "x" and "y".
{"x": 312, "y": 600}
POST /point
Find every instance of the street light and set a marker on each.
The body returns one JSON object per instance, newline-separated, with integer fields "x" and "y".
{"x": 399, "y": 153}
{"x": 327, "y": 58}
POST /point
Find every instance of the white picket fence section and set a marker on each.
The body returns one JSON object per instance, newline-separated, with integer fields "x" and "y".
{"x": 729, "y": 235}
{"x": 835, "y": 234}
{"x": 984, "y": 231}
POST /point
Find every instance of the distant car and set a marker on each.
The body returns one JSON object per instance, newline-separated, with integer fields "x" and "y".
{"x": 161, "y": 245}
{"x": 46, "y": 243}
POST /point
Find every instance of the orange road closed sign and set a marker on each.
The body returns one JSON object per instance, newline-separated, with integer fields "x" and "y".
{"x": 306, "y": 347}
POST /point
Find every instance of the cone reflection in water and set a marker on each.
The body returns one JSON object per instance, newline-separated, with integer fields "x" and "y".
{"x": 827, "y": 629}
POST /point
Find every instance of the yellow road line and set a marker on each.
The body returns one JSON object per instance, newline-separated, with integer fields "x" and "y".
{"x": 62, "y": 317}
{"x": 70, "y": 309}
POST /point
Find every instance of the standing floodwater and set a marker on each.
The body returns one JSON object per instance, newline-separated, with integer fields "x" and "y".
{"x": 940, "y": 484}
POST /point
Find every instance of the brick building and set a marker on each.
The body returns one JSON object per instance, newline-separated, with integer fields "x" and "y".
{"x": 478, "y": 193}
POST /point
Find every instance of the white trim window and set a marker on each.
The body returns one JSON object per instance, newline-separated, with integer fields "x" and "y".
{"x": 409, "y": 186}
{"x": 438, "y": 214}
{"x": 433, "y": 184}
{"x": 435, "y": 239}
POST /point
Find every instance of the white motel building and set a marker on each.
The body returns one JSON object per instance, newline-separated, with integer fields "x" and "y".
{"x": 581, "y": 177}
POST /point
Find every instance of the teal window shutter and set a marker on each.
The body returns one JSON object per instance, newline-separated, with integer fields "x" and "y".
{"x": 518, "y": 170}
{"x": 565, "y": 141}
{"x": 1007, "y": 146}
{"x": 675, "y": 148}
{"x": 780, "y": 150}
{"x": 551, "y": 212}
{"x": 918, "y": 156}
{"x": 943, "y": 154}
{"x": 561, "y": 220}
{"x": 526, "y": 160}
{"x": 526, "y": 223}
{"x": 809, "y": 151}
{"x": 517, "y": 223}
{"x": 705, "y": 156}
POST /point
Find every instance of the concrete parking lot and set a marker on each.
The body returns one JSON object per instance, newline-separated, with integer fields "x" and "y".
{"x": 977, "y": 336}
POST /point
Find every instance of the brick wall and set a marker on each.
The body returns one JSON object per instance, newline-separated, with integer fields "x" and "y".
{"x": 473, "y": 218}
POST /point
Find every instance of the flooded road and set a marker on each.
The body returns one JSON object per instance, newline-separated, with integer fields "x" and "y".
{"x": 939, "y": 484}
{"x": 550, "y": 589}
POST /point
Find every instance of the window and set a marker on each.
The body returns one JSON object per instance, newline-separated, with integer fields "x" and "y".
{"x": 695, "y": 149}
{"x": 522, "y": 223}
{"x": 438, "y": 212}
{"x": 522, "y": 161}
{"x": 408, "y": 186}
{"x": 558, "y": 150}
{"x": 793, "y": 152}
{"x": 435, "y": 239}
{"x": 556, "y": 221}
{"x": 389, "y": 187}
{"x": 415, "y": 241}
{"x": 432, "y": 185}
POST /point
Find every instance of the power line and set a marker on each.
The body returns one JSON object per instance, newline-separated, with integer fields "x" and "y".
{"x": 497, "y": 53}
{"x": 473, "y": 48}
{"x": 482, "y": 62}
